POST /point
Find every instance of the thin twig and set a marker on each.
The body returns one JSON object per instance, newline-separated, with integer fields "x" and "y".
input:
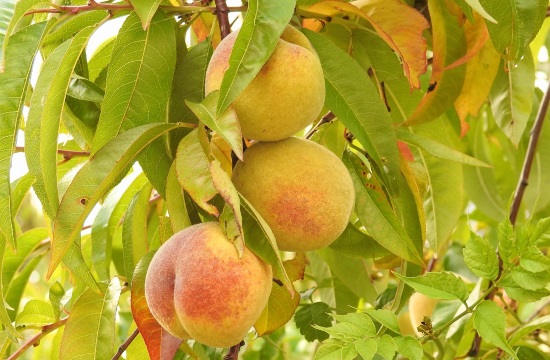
{"x": 328, "y": 117}
{"x": 222, "y": 13}
{"x": 233, "y": 353}
{"x": 122, "y": 348}
{"x": 35, "y": 340}
{"x": 520, "y": 190}
{"x": 67, "y": 154}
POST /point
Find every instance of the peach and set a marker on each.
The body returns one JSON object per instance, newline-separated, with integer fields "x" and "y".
{"x": 301, "y": 189}
{"x": 197, "y": 287}
{"x": 285, "y": 96}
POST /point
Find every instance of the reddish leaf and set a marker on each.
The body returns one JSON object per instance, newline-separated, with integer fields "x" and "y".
{"x": 398, "y": 24}
{"x": 160, "y": 344}
{"x": 449, "y": 45}
{"x": 405, "y": 151}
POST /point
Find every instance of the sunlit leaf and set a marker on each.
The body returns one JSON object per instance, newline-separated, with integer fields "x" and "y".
{"x": 512, "y": 96}
{"x": 93, "y": 181}
{"x": 334, "y": 351}
{"x": 145, "y": 10}
{"x": 262, "y": 26}
{"x": 355, "y": 243}
{"x": 518, "y": 23}
{"x": 384, "y": 317}
{"x": 137, "y": 92}
{"x": 490, "y": 323}
{"x": 36, "y": 313}
{"x": 13, "y": 86}
{"x": 481, "y": 257}
{"x": 175, "y": 202}
{"x": 438, "y": 285}
{"x": 42, "y": 127}
{"x": 93, "y": 318}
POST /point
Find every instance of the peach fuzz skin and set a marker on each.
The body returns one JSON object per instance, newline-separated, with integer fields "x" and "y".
{"x": 197, "y": 287}
{"x": 301, "y": 189}
{"x": 285, "y": 96}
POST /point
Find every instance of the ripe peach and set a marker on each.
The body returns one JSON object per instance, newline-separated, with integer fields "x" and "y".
{"x": 301, "y": 189}
{"x": 285, "y": 96}
{"x": 197, "y": 287}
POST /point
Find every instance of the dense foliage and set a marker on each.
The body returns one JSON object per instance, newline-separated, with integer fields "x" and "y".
{"x": 429, "y": 105}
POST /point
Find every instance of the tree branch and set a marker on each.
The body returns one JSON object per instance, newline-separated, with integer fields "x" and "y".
{"x": 67, "y": 154}
{"x": 35, "y": 340}
{"x": 122, "y": 348}
{"x": 222, "y": 12}
{"x": 233, "y": 353}
{"x": 520, "y": 190}
{"x": 328, "y": 117}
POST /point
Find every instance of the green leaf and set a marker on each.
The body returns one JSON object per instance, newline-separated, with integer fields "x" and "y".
{"x": 348, "y": 331}
{"x": 336, "y": 352}
{"x": 376, "y": 214}
{"x": 490, "y": 323}
{"x": 506, "y": 241}
{"x": 261, "y": 241}
{"x": 437, "y": 149}
{"x": 313, "y": 314}
{"x": 542, "y": 322}
{"x": 386, "y": 347}
{"x": 46, "y": 109}
{"x": 109, "y": 217}
{"x": 541, "y": 230}
{"x": 409, "y": 347}
{"x": 17, "y": 14}
{"x": 226, "y": 125}
{"x": 160, "y": 344}
{"x": 231, "y": 218}
{"x": 518, "y": 23}
{"x": 145, "y": 10}
{"x": 262, "y": 27}
{"x": 188, "y": 85}
{"x": 438, "y": 285}
{"x": 193, "y": 169}
{"x": 6, "y": 13}
{"x": 519, "y": 293}
{"x": 35, "y": 314}
{"x": 4, "y": 316}
{"x": 529, "y": 280}
{"x": 360, "y": 321}
{"x": 138, "y": 89}
{"x": 481, "y": 257}
{"x": 444, "y": 203}
{"x": 13, "y": 86}
{"x": 66, "y": 28}
{"x": 56, "y": 296}
{"x": 475, "y": 4}
{"x": 93, "y": 181}
{"x": 512, "y": 97}
{"x": 83, "y": 89}
{"x": 366, "y": 348}
{"x": 384, "y": 317}
{"x": 356, "y": 244}
{"x": 20, "y": 188}
{"x": 355, "y": 101}
{"x": 100, "y": 59}
{"x": 533, "y": 260}
{"x": 175, "y": 202}
{"x": 93, "y": 318}
{"x": 134, "y": 230}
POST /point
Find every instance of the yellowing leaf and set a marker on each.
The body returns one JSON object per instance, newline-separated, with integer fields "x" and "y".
{"x": 401, "y": 26}
{"x": 481, "y": 70}
{"x": 449, "y": 45}
{"x": 403, "y": 32}
{"x": 281, "y": 304}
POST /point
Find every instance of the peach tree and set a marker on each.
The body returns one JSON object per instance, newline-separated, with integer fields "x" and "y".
{"x": 427, "y": 120}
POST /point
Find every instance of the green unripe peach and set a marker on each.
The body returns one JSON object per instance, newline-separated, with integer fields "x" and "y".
{"x": 420, "y": 306}
{"x": 197, "y": 287}
{"x": 301, "y": 189}
{"x": 285, "y": 96}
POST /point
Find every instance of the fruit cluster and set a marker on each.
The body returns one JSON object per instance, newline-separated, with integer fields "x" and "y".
{"x": 197, "y": 286}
